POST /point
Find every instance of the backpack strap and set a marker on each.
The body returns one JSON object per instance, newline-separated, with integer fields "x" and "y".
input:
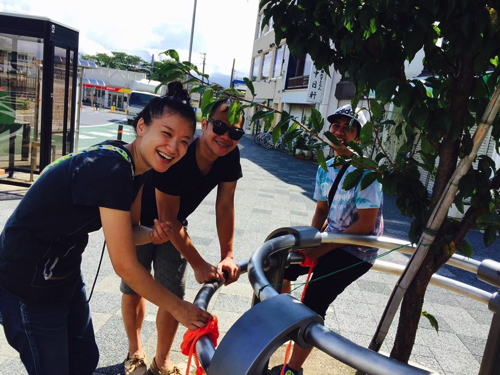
{"x": 336, "y": 183}
{"x": 88, "y": 149}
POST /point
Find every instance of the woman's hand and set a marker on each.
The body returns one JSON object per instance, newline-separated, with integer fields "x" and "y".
{"x": 161, "y": 232}
{"x": 206, "y": 272}
{"x": 229, "y": 265}
{"x": 190, "y": 315}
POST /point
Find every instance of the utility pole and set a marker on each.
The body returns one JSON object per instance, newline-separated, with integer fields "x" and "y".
{"x": 192, "y": 31}
{"x": 203, "y": 68}
{"x": 231, "y": 84}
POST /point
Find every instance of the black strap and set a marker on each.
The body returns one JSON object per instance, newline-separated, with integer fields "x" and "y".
{"x": 336, "y": 183}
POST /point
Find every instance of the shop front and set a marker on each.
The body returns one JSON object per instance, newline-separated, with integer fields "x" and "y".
{"x": 96, "y": 93}
{"x": 38, "y": 75}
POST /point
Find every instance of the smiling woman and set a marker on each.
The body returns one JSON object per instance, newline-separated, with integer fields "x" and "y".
{"x": 43, "y": 303}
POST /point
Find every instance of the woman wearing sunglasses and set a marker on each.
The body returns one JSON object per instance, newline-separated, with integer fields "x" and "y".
{"x": 212, "y": 160}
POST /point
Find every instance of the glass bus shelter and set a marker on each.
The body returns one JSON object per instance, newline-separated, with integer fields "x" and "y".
{"x": 38, "y": 84}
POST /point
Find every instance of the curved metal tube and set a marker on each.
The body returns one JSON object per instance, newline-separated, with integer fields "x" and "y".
{"x": 257, "y": 260}
{"x": 316, "y": 334}
{"x": 204, "y": 348}
{"x": 356, "y": 356}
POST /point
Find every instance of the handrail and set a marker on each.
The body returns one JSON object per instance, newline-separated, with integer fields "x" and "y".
{"x": 316, "y": 334}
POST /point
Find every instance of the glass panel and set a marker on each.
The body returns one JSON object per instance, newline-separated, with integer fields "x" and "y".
{"x": 21, "y": 69}
{"x": 71, "y": 109}
{"x": 307, "y": 65}
{"x": 58, "y": 103}
{"x": 266, "y": 66}
{"x": 255, "y": 68}
{"x": 278, "y": 62}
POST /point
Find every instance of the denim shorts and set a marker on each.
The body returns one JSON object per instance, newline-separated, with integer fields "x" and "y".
{"x": 168, "y": 264}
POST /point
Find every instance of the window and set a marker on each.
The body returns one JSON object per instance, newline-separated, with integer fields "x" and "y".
{"x": 298, "y": 72}
{"x": 255, "y": 68}
{"x": 266, "y": 66}
{"x": 259, "y": 25}
{"x": 278, "y": 62}
{"x": 271, "y": 24}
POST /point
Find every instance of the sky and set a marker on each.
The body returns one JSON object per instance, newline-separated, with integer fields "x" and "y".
{"x": 224, "y": 29}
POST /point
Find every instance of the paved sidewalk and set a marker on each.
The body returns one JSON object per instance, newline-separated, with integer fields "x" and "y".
{"x": 276, "y": 191}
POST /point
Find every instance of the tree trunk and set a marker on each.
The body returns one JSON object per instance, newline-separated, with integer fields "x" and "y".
{"x": 413, "y": 301}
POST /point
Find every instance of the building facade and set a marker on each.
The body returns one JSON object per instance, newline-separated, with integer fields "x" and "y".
{"x": 284, "y": 83}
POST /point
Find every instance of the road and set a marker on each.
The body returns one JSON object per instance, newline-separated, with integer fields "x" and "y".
{"x": 98, "y": 126}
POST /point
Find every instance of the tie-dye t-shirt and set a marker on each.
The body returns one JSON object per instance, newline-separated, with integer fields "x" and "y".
{"x": 345, "y": 206}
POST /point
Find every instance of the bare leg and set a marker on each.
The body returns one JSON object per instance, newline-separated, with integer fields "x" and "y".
{"x": 166, "y": 326}
{"x": 286, "y": 287}
{"x": 133, "y": 311}
{"x": 299, "y": 356}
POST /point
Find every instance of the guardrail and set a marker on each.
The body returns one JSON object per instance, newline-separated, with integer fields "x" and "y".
{"x": 250, "y": 352}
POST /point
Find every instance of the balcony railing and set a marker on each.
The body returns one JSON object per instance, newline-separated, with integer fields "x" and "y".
{"x": 299, "y": 82}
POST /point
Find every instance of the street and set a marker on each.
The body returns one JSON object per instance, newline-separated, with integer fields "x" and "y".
{"x": 276, "y": 191}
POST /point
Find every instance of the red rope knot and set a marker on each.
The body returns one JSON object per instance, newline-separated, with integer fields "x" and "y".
{"x": 188, "y": 345}
{"x": 307, "y": 261}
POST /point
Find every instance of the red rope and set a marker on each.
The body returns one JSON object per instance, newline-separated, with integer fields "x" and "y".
{"x": 188, "y": 345}
{"x": 306, "y": 263}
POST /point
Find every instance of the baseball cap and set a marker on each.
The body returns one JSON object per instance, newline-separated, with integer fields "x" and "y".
{"x": 346, "y": 110}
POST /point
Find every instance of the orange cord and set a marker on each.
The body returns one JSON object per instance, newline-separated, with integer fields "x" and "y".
{"x": 188, "y": 345}
{"x": 306, "y": 263}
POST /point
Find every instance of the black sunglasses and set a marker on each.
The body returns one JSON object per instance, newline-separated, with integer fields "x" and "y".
{"x": 220, "y": 128}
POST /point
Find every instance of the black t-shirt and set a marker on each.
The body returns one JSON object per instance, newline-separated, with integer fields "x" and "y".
{"x": 42, "y": 242}
{"x": 185, "y": 179}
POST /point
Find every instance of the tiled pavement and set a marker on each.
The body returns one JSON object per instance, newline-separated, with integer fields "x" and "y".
{"x": 276, "y": 191}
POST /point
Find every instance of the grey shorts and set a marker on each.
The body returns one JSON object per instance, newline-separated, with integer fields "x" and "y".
{"x": 168, "y": 264}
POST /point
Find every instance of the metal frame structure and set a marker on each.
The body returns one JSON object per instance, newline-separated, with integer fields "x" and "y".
{"x": 54, "y": 35}
{"x": 250, "y": 352}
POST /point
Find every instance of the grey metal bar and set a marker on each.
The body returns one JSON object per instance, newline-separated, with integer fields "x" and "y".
{"x": 387, "y": 243}
{"x": 489, "y": 272}
{"x": 204, "y": 348}
{"x": 441, "y": 281}
{"x": 255, "y": 265}
{"x": 356, "y": 356}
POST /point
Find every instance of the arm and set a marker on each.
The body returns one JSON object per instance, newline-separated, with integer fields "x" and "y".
{"x": 168, "y": 209}
{"x": 364, "y": 225}
{"x": 142, "y": 235}
{"x": 117, "y": 226}
{"x": 320, "y": 215}
{"x": 224, "y": 210}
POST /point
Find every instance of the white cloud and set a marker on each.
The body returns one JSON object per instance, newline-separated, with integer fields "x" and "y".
{"x": 224, "y": 29}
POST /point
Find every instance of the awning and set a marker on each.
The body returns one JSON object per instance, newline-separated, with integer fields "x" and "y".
{"x": 87, "y": 64}
{"x": 93, "y": 82}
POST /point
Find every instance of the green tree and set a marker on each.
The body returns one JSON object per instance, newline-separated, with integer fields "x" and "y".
{"x": 119, "y": 60}
{"x": 370, "y": 41}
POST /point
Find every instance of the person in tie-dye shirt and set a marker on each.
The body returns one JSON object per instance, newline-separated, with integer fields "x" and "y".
{"x": 352, "y": 211}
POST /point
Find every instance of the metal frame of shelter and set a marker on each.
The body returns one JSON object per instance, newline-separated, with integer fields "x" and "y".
{"x": 44, "y": 54}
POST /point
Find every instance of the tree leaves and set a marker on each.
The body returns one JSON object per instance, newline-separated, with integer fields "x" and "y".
{"x": 385, "y": 89}
{"x": 352, "y": 179}
{"x": 432, "y": 320}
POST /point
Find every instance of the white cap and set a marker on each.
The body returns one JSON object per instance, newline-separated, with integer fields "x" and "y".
{"x": 346, "y": 110}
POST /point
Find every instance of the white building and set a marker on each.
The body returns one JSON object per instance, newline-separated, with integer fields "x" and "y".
{"x": 284, "y": 83}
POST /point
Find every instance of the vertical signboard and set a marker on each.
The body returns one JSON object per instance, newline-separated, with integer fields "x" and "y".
{"x": 316, "y": 86}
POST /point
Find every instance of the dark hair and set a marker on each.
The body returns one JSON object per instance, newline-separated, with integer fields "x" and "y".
{"x": 226, "y": 102}
{"x": 175, "y": 101}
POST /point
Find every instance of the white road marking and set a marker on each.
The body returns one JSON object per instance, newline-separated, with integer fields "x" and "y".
{"x": 103, "y": 134}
